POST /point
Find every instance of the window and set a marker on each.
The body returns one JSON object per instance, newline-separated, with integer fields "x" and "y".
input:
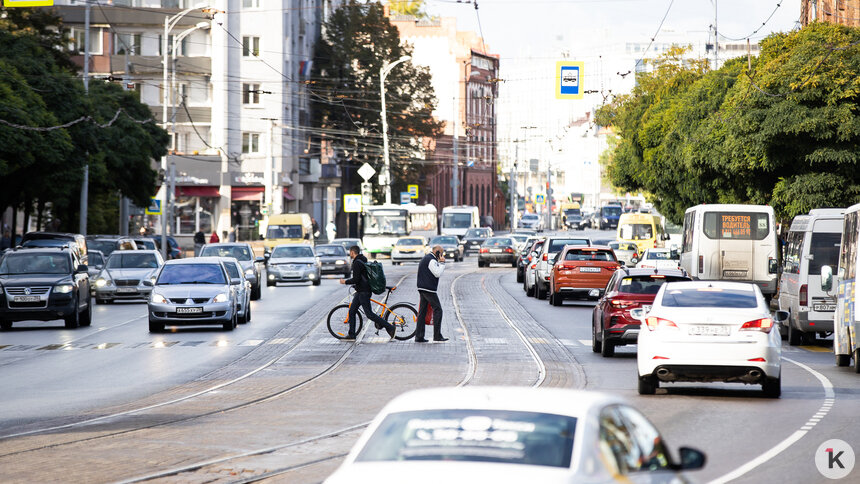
{"x": 79, "y": 38}
{"x": 848, "y": 248}
{"x": 589, "y": 255}
{"x": 250, "y": 3}
{"x": 736, "y": 225}
{"x": 127, "y": 43}
{"x": 689, "y": 226}
{"x": 180, "y": 49}
{"x": 250, "y": 142}
{"x": 250, "y": 46}
{"x": 824, "y": 250}
{"x": 250, "y": 93}
{"x": 791, "y": 257}
{"x": 636, "y": 231}
{"x": 709, "y": 297}
{"x": 654, "y": 456}
{"x": 616, "y": 444}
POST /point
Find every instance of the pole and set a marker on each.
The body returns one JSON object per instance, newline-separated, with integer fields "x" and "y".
{"x": 164, "y": 97}
{"x": 515, "y": 196}
{"x": 268, "y": 175}
{"x": 455, "y": 182}
{"x": 85, "y": 184}
{"x": 716, "y": 40}
{"x": 170, "y": 197}
{"x": 385, "y": 170}
{"x": 548, "y": 198}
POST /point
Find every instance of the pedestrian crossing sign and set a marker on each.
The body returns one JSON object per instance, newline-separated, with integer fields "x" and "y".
{"x": 539, "y": 199}
{"x": 154, "y": 207}
{"x": 352, "y": 203}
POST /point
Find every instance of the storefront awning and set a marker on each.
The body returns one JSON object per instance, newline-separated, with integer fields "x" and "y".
{"x": 247, "y": 194}
{"x": 287, "y": 194}
{"x": 197, "y": 191}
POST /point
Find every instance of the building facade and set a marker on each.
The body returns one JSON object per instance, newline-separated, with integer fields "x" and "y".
{"x": 845, "y": 12}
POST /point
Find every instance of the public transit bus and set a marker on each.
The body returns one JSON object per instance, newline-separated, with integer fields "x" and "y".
{"x": 846, "y": 324}
{"x": 456, "y": 220}
{"x": 643, "y": 229}
{"x": 423, "y": 220}
{"x": 383, "y": 225}
{"x": 731, "y": 242}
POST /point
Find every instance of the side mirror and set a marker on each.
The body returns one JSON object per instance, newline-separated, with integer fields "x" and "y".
{"x": 259, "y": 259}
{"x": 826, "y": 278}
{"x": 267, "y": 255}
{"x": 772, "y": 267}
{"x": 621, "y": 264}
{"x": 235, "y": 281}
{"x": 780, "y": 316}
{"x": 307, "y": 237}
{"x": 638, "y": 314}
{"x": 691, "y": 459}
{"x": 82, "y": 269}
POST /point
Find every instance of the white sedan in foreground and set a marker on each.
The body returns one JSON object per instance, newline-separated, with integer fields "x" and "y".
{"x": 511, "y": 435}
{"x": 709, "y": 331}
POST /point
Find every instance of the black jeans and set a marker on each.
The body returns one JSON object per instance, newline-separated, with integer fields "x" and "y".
{"x": 433, "y": 300}
{"x": 363, "y": 299}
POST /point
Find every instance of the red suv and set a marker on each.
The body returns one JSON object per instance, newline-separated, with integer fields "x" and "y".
{"x": 611, "y": 323}
{"x": 581, "y": 272}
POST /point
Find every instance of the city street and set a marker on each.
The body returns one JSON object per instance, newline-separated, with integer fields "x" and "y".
{"x": 280, "y": 398}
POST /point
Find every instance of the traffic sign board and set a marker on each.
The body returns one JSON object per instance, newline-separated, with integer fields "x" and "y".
{"x": 352, "y": 203}
{"x": 366, "y": 171}
{"x": 154, "y": 207}
{"x": 568, "y": 80}
{"x": 405, "y": 198}
{"x": 539, "y": 199}
{"x": 413, "y": 191}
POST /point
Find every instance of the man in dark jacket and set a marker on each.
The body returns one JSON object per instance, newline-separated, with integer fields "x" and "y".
{"x": 361, "y": 283}
{"x": 429, "y": 270}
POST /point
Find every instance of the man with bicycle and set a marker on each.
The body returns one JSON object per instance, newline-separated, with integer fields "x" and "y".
{"x": 360, "y": 282}
{"x": 429, "y": 270}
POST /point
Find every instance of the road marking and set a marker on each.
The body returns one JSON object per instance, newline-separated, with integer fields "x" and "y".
{"x": 377, "y": 339}
{"x": 540, "y": 341}
{"x": 829, "y": 398}
{"x": 585, "y": 342}
{"x": 495, "y": 341}
{"x": 568, "y": 342}
{"x": 251, "y": 342}
{"x": 816, "y": 349}
{"x": 280, "y": 341}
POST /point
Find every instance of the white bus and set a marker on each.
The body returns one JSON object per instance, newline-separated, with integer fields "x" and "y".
{"x": 846, "y": 323}
{"x": 731, "y": 243}
{"x": 456, "y": 220}
{"x": 383, "y": 225}
{"x": 812, "y": 242}
{"x": 423, "y": 220}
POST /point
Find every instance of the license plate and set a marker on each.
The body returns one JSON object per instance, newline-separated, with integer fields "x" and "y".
{"x": 27, "y": 299}
{"x": 189, "y": 310}
{"x": 589, "y": 269}
{"x": 734, "y": 273}
{"x": 126, "y": 289}
{"x": 495, "y": 250}
{"x": 709, "y": 330}
{"x": 827, "y": 308}
{"x": 292, "y": 274}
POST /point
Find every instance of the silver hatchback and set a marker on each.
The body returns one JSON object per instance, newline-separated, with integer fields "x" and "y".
{"x": 125, "y": 274}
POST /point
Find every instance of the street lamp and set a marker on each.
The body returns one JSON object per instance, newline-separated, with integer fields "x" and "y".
{"x": 176, "y": 41}
{"x": 386, "y": 68}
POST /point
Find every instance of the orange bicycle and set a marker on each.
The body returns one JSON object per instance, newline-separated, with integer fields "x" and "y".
{"x": 402, "y": 315}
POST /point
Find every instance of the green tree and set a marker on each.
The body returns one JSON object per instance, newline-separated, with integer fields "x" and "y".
{"x": 358, "y": 41}
{"x": 414, "y": 8}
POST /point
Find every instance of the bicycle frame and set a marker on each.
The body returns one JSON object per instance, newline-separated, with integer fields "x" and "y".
{"x": 383, "y": 305}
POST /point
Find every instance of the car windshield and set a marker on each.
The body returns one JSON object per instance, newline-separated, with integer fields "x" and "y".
{"x": 331, "y": 250}
{"x": 520, "y": 239}
{"x": 95, "y": 259}
{"x": 498, "y": 242}
{"x": 502, "y": 436}
{"x": 709, "y": 297}
{"x": 477, "y": 233}
{"x": 612, "y": 211}
{"x": 572, "y": 212}
{"x": 238, "y": 252}
{"x": 646, "y": 284}
{"x": 556, "y": 245}
{"x": 45, "y": 243}
{"x": 589, "y": 255}
{"x": 23, "y": 263}
{"x": 824, "y": 250}
{"x": 346, "y": 243}
{"x": 444, "y": 241}
{"x": 410, "y": 242}
{"x": 104, "y": 246}
{"x": 191, "y": 274}
{"x": 530, "y": 216}
{"x": 284, "y": 232}
{"x": 456, "y": 220}
{"x": 659, "y": 255}
{"x": 292, "y": 252}
{"x": 131, "y": 260}
{"x": 636, "y": 231}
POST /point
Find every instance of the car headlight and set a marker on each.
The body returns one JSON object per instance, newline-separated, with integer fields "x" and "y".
{"x": 339, "y": 263}
{"x": 63, "y": 288}
{"x": 220, "y": 298}
{"x": 100, "y": 282}
{"x": 158, "y": 298}
{"x": 249, "y": 272}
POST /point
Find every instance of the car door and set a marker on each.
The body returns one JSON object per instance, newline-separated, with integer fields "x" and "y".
{"x": 81, "y": 280}
{"x": 600, "y": 308}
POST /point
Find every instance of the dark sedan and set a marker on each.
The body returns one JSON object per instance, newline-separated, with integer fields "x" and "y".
{"x": 244, "y": 253}
{"x": 474, "y": 238}
{"x": 450, "y": 245}
{"x": 498, "y": 250}
{"x": 334, "y": 259}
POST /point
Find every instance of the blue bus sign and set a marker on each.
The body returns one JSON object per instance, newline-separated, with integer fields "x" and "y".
{"x": 568, "y": 80}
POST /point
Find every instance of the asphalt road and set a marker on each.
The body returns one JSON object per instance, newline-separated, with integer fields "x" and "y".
{"x": 115, "y": 370}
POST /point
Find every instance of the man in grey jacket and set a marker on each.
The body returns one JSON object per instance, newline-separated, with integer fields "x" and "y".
{"x": 429, "y": 270}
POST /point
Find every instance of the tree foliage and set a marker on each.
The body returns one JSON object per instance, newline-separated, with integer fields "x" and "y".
{"x": 414, "y": 8}
{"x": 784, "y": 132}
{"x": 358, "y": 40}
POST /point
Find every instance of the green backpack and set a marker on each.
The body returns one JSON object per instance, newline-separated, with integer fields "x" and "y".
{"x": 375, "y": 277}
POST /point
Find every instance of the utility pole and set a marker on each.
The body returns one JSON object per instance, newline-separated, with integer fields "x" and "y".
{"x": 716, "y": 40}
{"x": 513, "y": 186}
{"x": 548, "y": 198}
{"x": 85, "y": 185}
{"x": 455, "y": 182}
{"x": 383, "y": 72}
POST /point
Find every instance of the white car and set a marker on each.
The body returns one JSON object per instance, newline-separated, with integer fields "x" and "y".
{"x": 532, "y": 221}
{"x": 511, "y": 435}
{"x": 709, "y": 331}
{"x": 658, "y": 259}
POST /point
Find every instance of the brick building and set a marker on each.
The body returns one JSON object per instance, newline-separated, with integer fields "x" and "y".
{"x": 845, "y": 12}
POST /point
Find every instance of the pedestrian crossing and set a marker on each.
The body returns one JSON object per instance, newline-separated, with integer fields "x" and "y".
{"x": 75, "y": 346}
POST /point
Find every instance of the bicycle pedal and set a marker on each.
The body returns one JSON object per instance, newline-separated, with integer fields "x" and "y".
{"x": 377, "y": 332}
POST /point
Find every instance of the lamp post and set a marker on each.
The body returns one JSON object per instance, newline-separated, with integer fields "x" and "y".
{"x": 386, "y": 68}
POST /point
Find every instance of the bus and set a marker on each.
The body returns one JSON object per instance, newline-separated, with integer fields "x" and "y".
{"x": 643, "y": 229}
{"x": 846, "y": 325}
{"x": 423, "y": 220}
{"x": 456, "y": 220}
{"x": 383, "y": 225}
{"x": 731, "y": 242}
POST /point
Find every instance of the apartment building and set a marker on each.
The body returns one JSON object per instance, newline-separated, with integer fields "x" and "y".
{"x": 845, "y": 12}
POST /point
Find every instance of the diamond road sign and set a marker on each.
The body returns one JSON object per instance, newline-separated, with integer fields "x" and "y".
{"x": 366, "y": 171}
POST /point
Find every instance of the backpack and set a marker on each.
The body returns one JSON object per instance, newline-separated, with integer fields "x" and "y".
{"x": 375, "y": 277}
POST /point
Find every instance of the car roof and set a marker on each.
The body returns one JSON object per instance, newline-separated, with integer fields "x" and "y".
{"x": 558, "y": 401}
{"x": 139, "y": 251}
{"x": 741, "y": 286}
{"x": 658, "y": 249}
{"x": 634, "y": 271}
{"x": 40, "y": 250}
{"x": 228, "y": 244}
{"x": 194, "y": 260}
{"x": 294, "y": 244}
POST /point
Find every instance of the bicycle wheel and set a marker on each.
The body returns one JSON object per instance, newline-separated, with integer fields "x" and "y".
{"x": 404, "y": 317}
{"x": 338, "y": 321}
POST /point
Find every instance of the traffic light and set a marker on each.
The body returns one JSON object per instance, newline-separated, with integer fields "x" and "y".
{"x": 366, "y": 193}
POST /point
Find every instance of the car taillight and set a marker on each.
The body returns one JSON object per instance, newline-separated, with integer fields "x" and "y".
{"x": 701, "y": 264}
{"x": 803, "y": 296}
{"x": 764, "y": 325}
{"x": 620, "y": 303}
{"x": 654, "y": 323}
{"x": 484, "y": 251}
{"x": 509, "y": 250}
{"x": 534, "y": 265}
{"x": 655, "y": 243}
{"x": 545, "y": 257}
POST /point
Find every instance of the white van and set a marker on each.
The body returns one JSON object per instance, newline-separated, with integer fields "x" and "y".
{"x": 846, "y": 324}
{"x": 731, "y": 243}
{"x": 456, "y": 220}
{"x": 812, "y": 242}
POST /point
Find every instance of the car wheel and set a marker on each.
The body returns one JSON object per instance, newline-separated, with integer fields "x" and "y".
{"x": 155, "y": 327}
{"x": 230, "y": 325}
{"x": 514, "y": 264}
{"x": 101, "y": 301}
{"x": 843, "y": 360}
{"x": 556, "y": 299}
{"x": 73, "y": 320}
{"x": 530, "y": 291}
{"x": 270, "y": 283}
{"x": 5, "y": 325}
{"x": 541, "y": 292}
{"x": 317, "y": 281}
{"x": 519, "y": 275}
{"x": 248, "y": 314}
{"x": 87, "y": 318}
{"x": 608, "y": 350}
{"x": 648, "y": 385}
{"x": 256, "y": 292}
{"x": 794, "y": 335}
{"x": 857, "y": 360}
{"x": 772, "y": 387}
{"x": 596, "y": 345}
{"x": 241, "y": 319}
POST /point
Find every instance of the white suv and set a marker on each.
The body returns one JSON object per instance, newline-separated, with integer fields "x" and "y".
{"x": 550, "y": 248}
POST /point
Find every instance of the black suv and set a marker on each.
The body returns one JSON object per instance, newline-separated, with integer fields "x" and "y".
{"x": 473, "y": 239}
{"x": 44, "y": 284}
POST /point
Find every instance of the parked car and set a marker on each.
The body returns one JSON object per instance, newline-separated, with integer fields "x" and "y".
{"x": 628, "y": 289}
{"x": 626, "y": 252}
{"x": 706, "y": 331}
{"x": 44, "y": 284}
{"x": 192, "y": 292}
{"x": 293, "y": 263}
{"x": 334, "y": 259}
{"x": 408, "y": 249}
{"x": 530, "y": 268}
{"x": 127, "y": 275}
{"x": 474, "y": 238}
{"x": 532, "y": 221}
{"x": 658, "y": 259}
{"x": 242, "y": 286}
{"x": 244, "y": 253}
{"x": 549, "y": 250}
{"x": 450, "y": 244}
{"x": 498, "y": 250}
{"x": 513, "y": 434}
{"x": 580, "y": 272}
{"x": 109, "y": 243}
